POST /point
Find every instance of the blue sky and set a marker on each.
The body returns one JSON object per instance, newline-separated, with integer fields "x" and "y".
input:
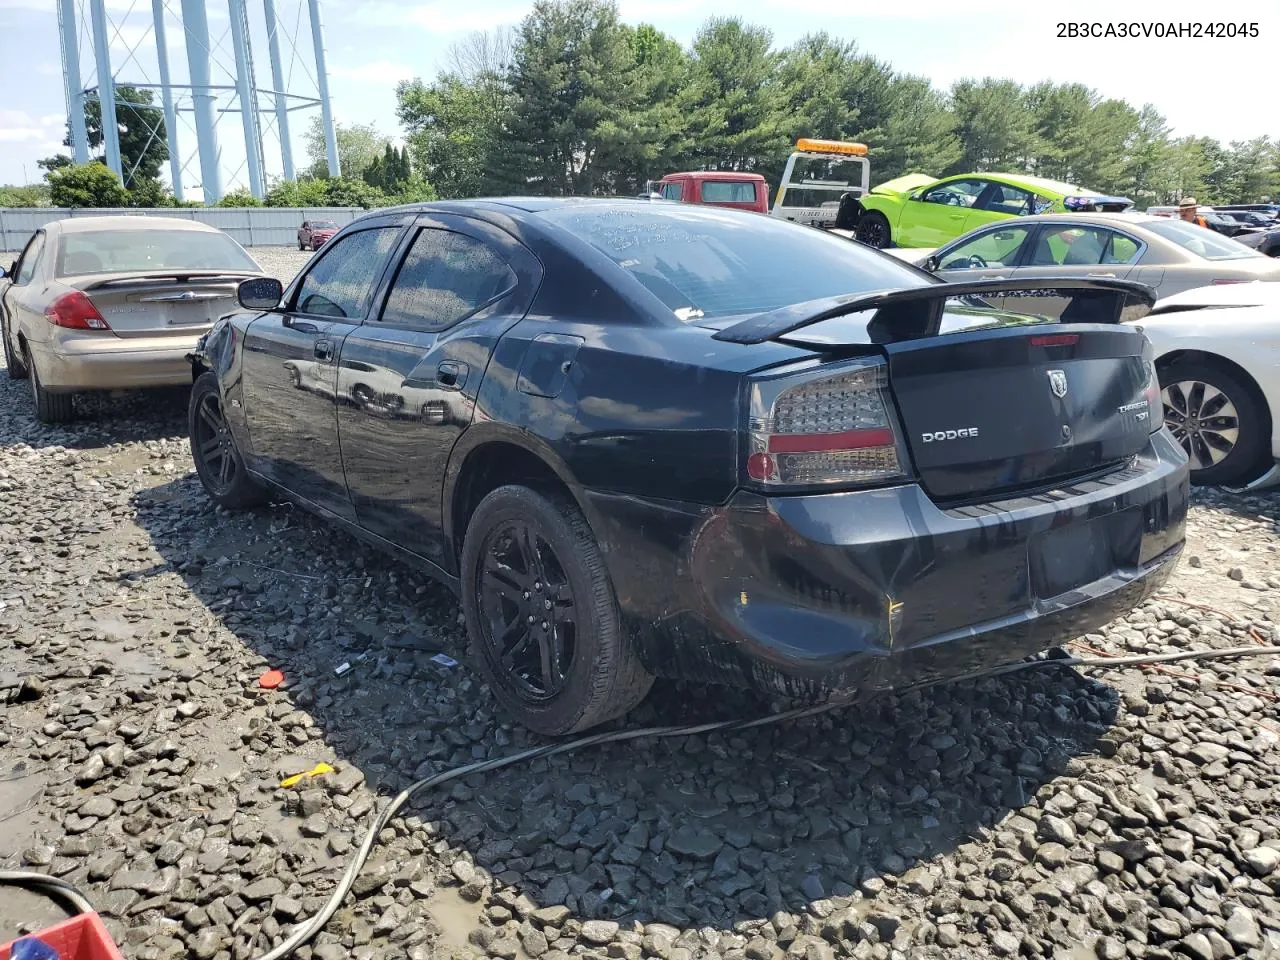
{"x": 1224, "y": 88}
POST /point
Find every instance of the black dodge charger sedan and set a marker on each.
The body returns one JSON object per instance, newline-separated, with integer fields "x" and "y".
{"x": 645, "y": 439}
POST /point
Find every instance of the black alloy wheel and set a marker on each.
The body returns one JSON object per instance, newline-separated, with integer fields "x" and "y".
{"x": 213, "y": 448}
{"x": 542, "y": 615}
{"x": 873, "y": 230}
{"x": 530, "y": 621}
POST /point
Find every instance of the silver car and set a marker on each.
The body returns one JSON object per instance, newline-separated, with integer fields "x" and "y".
{"x": 110, "y": 303}
{"x": 1169, "y": 255}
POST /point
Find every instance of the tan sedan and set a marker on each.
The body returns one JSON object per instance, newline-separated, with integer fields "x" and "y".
{"x": 114, "y": 303}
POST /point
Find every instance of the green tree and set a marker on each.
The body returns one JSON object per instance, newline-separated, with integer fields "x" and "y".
{"x": 994, "y": 125}
{"x": 239, "y": 197}
{"x": 86, "y": 185}
{"x": 576, "y": 88}
{"x": 359, "y": 144}
{"x": 297, "y": 193}
{"x": 736, "y": 115}
{"x": 454, "y": 125}
{"x": 143, "y": 144}
{"x": 34, "y": 195}
{"x": 917, "y": 134}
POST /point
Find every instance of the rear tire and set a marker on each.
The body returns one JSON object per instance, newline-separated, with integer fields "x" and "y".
{"x": 14, "y": 362}
{"x": 529, "y": 556}
{"x": 301, "y": 245}
{"x": 51, "y": 408}
{"x": 218, "y": 463}
{"x": 873, "y": 230}
{"x": 1218, "y": 418}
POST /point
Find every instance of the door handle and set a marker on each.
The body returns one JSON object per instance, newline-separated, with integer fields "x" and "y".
{"x": 1111, "y": 275}
{"x": 957, "y": 216}
{"x": 451, "y": 374}
{"x": 324, "y": 350}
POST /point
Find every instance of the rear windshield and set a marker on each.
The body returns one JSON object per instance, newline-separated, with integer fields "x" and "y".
{"x": 720, "y": 263}
{"x": 728, "y": 191}
{"x": 1201, "y": 241}
{"x": 120, "y": 251}
{"x": 323, "y": 225}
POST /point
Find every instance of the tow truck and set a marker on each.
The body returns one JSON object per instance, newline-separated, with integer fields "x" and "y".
{"x": 826, "y": 167}
{"x": 816, "y": 169}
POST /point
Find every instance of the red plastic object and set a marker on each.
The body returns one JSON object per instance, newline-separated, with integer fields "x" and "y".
{"x": 268, "y": 681}
{"x": 81, "y": 938}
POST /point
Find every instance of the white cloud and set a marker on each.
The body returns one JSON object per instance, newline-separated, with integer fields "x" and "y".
{"x": 438, "y": 16}
{"x": 378, "y": 73}
{"x": 18, "y": 126}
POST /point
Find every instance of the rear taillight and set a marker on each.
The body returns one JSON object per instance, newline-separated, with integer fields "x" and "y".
{"x": 1221, "y": 280}
{"x": 1151, "y": 391}
{"x": 824, "y": 428}
{"x": 75, "y": 311}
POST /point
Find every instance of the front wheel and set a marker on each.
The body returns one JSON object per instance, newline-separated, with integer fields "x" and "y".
{"x": 1219, "y": 420}
{"x": 218, "y": 463}
{"x": 873, "y": 230}
{"x": 542, "y": 615}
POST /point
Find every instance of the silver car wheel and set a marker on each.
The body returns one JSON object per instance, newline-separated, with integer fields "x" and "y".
{"x": 1203, "y": 419}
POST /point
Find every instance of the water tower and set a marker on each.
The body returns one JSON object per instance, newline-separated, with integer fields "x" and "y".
{"x": 220, "y": 80}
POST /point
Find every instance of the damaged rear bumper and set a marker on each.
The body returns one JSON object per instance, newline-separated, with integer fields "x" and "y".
{"x": 881, "y": 588}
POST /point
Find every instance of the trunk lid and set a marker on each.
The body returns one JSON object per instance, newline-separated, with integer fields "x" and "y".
{"x": 160, "y": 306}
{"x": 1000, "y": 409}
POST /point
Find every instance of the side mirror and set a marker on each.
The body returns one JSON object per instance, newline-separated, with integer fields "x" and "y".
{"x": 930, "y": 264}
{"x": 8, "y": 272}
{"x": 260, "y": 293}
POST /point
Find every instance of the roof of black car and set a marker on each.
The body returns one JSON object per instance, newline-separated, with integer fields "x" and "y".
{"x": 524, "y": 204}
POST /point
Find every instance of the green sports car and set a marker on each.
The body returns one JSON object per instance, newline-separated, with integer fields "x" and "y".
{"x": 921, "y": 211}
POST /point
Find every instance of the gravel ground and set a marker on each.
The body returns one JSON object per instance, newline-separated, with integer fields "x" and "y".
{"x": 1045, "y": 814}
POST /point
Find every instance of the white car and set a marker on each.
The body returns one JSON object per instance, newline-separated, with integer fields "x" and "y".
{"x": 1218, "y": 355}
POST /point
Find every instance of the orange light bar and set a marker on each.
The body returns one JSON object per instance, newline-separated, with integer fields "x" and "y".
{"x": 807, "y": 145}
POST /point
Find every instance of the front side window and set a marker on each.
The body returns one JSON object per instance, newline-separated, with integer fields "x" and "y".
{"x": 672, "y": 191}
{"x": 341, "y": 283}
{"x": 445, "y": 277}
{"x": 27, "y": 269}
{"x": 709, "y": 262}
{"x": 955, "y": 193}
{"x": 728, "y": 191}
{"x": 1002, "y": 198}
{"x": 995, "y": 248}
{"x": 1070, "y": 246}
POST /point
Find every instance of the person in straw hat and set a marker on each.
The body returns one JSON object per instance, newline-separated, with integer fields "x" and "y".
{"x": 1188, "y": 211}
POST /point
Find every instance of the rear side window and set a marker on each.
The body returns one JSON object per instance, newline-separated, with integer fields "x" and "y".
{"x": 445, "y": 277}
{"x": 728, "y": 191}
{"x": 1002, "y": 198}
{"x": 27, "y": 269}
{"x": 341, "y": 283}
{"x": 1122, "y": 250}
{"x": 1201, "y": 241}
{"x": 718, "y": 262}
{"x": 673, "y": 191}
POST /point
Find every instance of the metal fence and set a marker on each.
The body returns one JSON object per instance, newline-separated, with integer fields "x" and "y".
{"x": 251, "y": 226}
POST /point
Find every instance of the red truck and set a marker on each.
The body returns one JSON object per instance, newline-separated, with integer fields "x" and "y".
{"x": 739, "y": 191}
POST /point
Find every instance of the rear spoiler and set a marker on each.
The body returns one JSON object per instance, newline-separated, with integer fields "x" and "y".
{"x": 181, "y": 276}
{"x": 916, "y": 312}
